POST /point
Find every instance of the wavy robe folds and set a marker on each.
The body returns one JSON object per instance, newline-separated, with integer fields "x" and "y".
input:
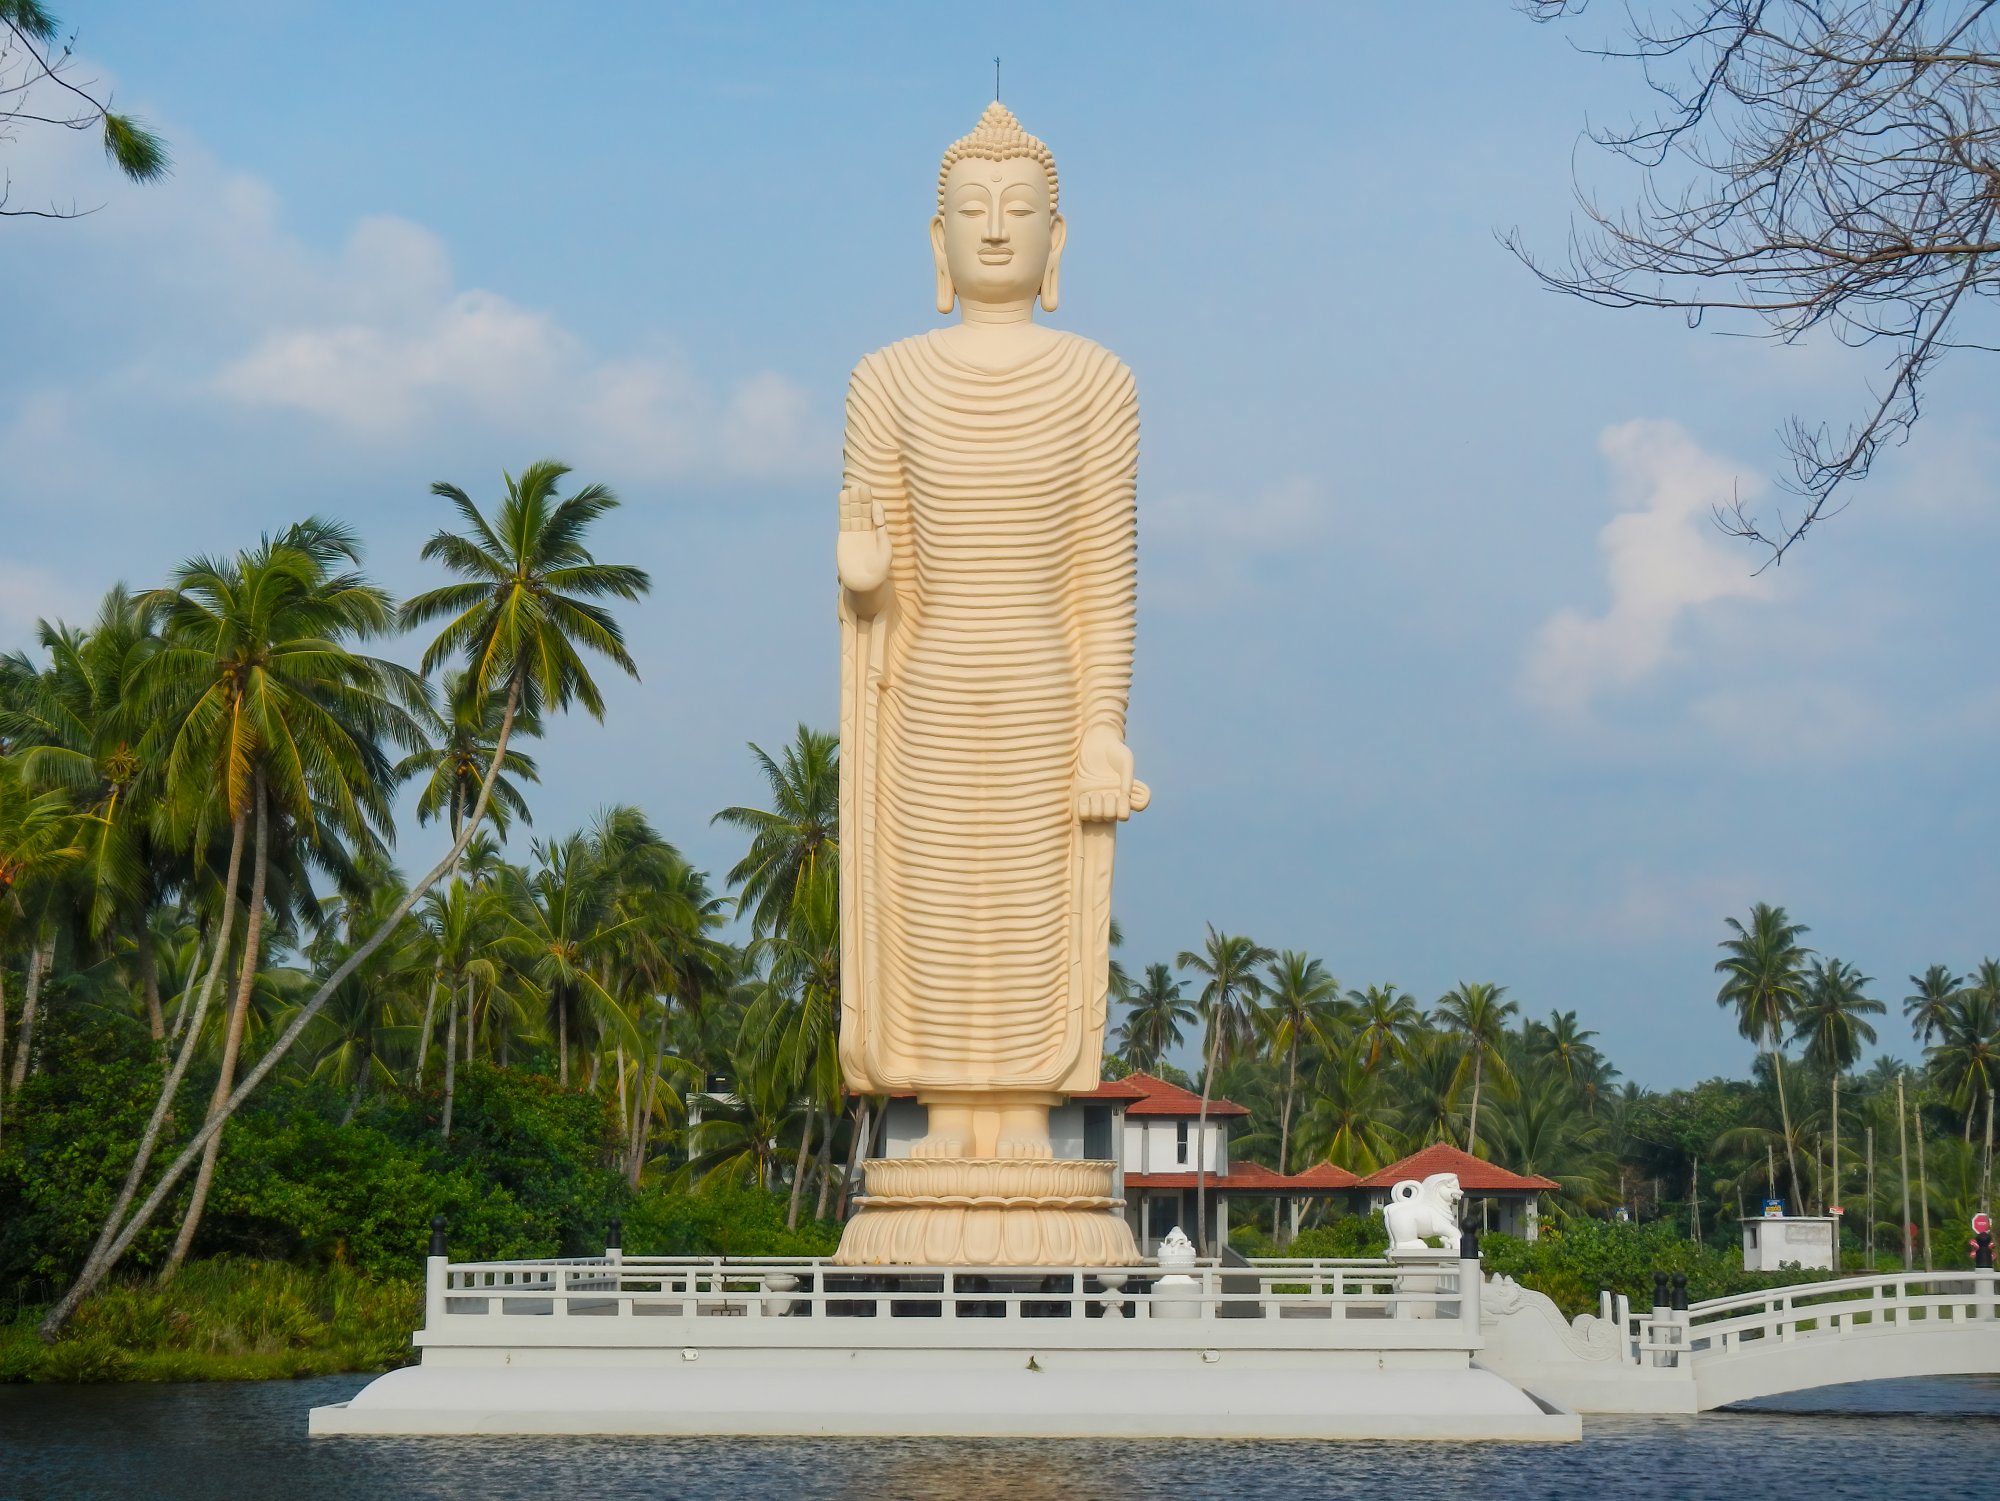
{"x": 975, "y": 907}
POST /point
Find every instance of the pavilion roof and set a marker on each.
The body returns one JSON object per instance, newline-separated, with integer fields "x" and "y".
{"x": 1251, "y": 1177}
{"x": 1475, "y": 1174}
{"x": 1158, "y": 1097}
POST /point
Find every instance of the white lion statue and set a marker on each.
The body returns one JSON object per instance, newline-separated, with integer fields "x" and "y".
{"x": 1417, "y": 1211}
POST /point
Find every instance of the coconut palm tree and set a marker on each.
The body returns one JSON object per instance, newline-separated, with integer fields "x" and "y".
{"x": 1763, "y": 970}
{"x": 1476, "y": 1014}
{"x": 37, "y": 846}
{"x": 1926, "y": 1005}
{"x": 461, "y": 738}
{"x": 1830, "y": 1018}
{"x": 1965, "y": 1060}
{"x": 795, "y": 843}
{"x": 262, "y": 708}
{"x": 1387, "y": 1021}
{"x": 1228, "y": 1002}
{"x": 1157, "y": 1013}
{"x": 1565, "y": 1043}
{"x": 1348, "y": 1111}
{"x": 528, "y": 603}
{"x": 561, "y": 933}
{"x": 1302, "y": 1011}
{"x": 76, "y": 725}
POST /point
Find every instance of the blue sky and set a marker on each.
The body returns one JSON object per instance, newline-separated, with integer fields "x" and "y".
{"x": 1443, "y": 673}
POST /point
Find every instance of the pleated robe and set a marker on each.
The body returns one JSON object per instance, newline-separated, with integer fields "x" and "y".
{"x": 975, "y": 907}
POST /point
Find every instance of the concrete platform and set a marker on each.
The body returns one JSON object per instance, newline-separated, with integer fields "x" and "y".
{"x": 1064, "y": 1394}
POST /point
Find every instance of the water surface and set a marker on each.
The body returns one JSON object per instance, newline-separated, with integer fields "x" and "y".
{"x": 1890, "y": 1441}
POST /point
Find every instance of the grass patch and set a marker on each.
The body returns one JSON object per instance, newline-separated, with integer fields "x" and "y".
{"x": 224, "y": 1320}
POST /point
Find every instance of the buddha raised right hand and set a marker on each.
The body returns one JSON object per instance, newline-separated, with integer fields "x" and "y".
{"x": 863, "y": 552}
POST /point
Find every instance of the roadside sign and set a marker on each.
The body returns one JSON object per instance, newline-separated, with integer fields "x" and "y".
{"x": 1982, "y": 1224}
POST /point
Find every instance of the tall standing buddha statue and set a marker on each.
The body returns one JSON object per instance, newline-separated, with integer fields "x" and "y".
{"x": 987, "y": 563}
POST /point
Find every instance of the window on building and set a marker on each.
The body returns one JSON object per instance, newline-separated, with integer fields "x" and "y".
{"x": 1181, "y": 1143}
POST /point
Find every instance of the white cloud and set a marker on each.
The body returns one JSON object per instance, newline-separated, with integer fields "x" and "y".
{"x": 378, "y": 341}
{"x": 406, "y": 352}
{"x": 1662, "y": 558}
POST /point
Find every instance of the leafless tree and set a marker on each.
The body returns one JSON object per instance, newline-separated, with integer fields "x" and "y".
{"x": 1826, "y": 167}
{"x": 36, "y": 61}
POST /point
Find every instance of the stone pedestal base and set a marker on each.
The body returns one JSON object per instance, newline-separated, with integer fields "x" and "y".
{"x": 988, "y": 1212}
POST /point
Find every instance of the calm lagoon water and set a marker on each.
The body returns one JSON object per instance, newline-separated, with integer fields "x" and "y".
{"x": 1891, "y": 1441}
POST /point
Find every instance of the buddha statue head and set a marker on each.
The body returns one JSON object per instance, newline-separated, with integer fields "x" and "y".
{"x": 997, "y": 236}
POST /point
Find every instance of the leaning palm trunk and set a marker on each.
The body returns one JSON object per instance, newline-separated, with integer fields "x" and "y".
{"x": 40, "y": 960}
{"x": 149, "y": 1139}
{"x": 3, "y": 1051}
{"x": 123, "y": 1234}
{"x": 232, "y": 1047}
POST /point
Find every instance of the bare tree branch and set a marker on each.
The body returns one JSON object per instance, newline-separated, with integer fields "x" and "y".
{"x": 1823, "y": 167}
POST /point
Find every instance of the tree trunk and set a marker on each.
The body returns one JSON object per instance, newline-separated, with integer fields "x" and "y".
{"x": 1478, "y": 1072}
{"x": 450, "y": 1060}
{"x": 40, "y": 959}
{"x": 1923, "y": 1192}
{"x": 643, "y": 1129}
{"x": 149, "y": 983}
{"x": 1285, "y": 1138}
{"x": 1201, "y": 1137}
{"x": 826, "y": 1164}
{"x": 187, "y": 986}
{"x": 232, "y": 1045}
{"x": 354, "y": 1095}
{"x": 430, "y": 1016}
{"x": 799, "y": 1167}
{"x": 104, "y": 1252}
{"x": 3, "y": 1049}
{"x": 1785, "y": 1116}
{"x": 856, "y": 1151}
{"x": 470, "y": 1033}
{"x": 118, "y": 1235}
{"x": 562, "y": 1043}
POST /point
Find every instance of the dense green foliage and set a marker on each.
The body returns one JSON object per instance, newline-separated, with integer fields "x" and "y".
{"x": 201, "y": 932}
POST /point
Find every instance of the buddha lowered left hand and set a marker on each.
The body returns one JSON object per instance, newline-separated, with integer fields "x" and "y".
{"x": 1105, "y": 787}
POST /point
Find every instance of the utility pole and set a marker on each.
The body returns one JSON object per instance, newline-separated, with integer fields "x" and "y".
{"x": 1923, "y": 1190}
{"x": 1986, "y": 1169}
{"x": 1871, "y": 1199}
{"x": 1694, "y": 1201}
{"x": 1835, "y": 1203}
{"x": 1903, "y": 1136}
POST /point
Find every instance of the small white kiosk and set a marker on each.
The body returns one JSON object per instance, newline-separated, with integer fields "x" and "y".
{"x": 1772, "y": 1242}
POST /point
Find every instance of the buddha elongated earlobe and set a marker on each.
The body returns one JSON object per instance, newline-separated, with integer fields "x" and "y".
{"x": 947, "y": 294}
{"x": 1058, "y": 232}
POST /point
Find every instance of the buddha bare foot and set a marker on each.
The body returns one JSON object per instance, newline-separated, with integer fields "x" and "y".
{"x": 935, "y": 1147}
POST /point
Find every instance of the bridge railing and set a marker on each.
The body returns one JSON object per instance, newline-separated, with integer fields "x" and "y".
{"x": 621, "y": 1287}
{"x": 1872, "y": 1305}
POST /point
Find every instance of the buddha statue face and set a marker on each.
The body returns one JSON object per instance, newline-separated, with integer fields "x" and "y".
{"x": 997, "y": 236}
{"x": 996, "y": 240}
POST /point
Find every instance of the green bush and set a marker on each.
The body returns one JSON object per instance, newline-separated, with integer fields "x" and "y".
{"x": 1349, "y": 1236}
{"x": 224, "y": 1319}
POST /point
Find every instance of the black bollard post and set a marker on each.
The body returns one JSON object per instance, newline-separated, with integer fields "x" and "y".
{"x": 1660, "y": 1290}
{"x": 437, "y": 1236}
{"x": 1680, "y": 1292}
{"x": 1468, "y": 1244}
{"x": 614, "y": 1234}
{"x": 1982, "y": 1249}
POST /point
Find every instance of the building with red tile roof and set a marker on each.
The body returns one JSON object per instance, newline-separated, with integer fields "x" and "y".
{"x": 1506, "y": 1201}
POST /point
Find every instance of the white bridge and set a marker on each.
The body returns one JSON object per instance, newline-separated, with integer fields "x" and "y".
{"x": 1735, "y": 1349}
{"x": 1416, "y": 1345}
